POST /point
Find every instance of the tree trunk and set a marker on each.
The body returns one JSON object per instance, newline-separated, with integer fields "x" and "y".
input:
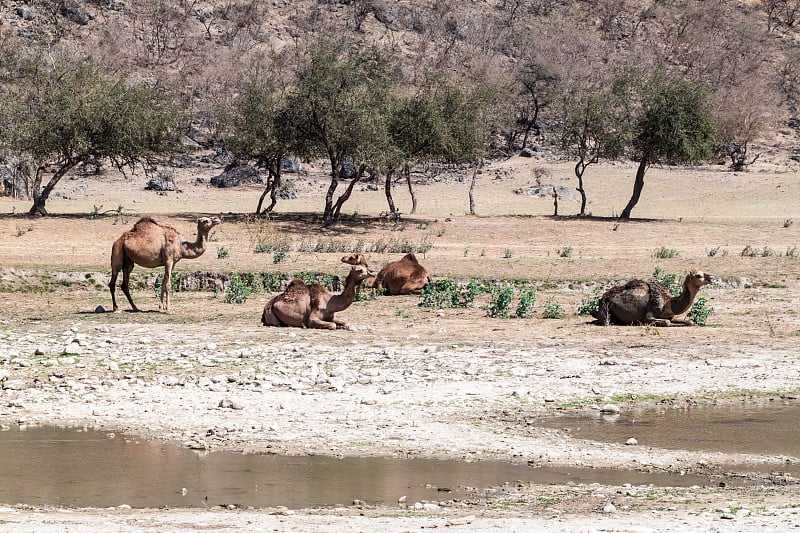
{"x": 472, "y": 187}
{"x": 273, "y": 184}
{"x": 40, "y": 197}
{"x": 328, "y": 213}
{"x": 337, "y": 208}
{"x": 387, "y": 187}
{"x": 555, "y": 201}
{"x": 580, "y": 168}
{"x": 411, "y": 190}
{"x": 638, "y": 185}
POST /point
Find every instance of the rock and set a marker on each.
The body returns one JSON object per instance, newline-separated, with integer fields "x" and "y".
{"x": 99, "y": 309}
{"x": 73, "y": 348}
{"x": 631, "y": 442}
{"x": 230, "y": 404}
{"x": 14, "y": 384}
{"x": 609, "y": 508}
{"x": 235, "y": 176}
{"x": 4, "y": 375}
{"x": 609, "y": 408}
{"x": 727, "y": 516}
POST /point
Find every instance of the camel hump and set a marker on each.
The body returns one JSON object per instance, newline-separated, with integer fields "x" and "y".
{"x": 411, "y": 258}
{"x": 144, "y": 221}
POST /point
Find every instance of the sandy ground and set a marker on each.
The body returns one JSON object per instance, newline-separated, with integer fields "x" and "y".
{"x": 408, "y": 381}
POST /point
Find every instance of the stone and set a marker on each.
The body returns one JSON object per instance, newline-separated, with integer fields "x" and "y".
{"x": 609, "y": 408}
{"x": 609, "y": 508}
{"x": 230, "y": 404}
{"x": 631, "y": 442}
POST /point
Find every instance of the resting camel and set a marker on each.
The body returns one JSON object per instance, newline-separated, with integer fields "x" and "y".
{"x": 313, "y": 306}
{"x": 405, "y": 276}
{"x": 151, "y": 245}
{"x": 643, "y": 302}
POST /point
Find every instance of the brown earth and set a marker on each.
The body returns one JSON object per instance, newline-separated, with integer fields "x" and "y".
{"x": 408, "y": 380}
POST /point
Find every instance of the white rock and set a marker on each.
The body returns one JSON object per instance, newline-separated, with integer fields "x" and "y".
{"x": 631, "y": 442}
{"x": 609, "y": 408}
{"x": 609, "y": 508}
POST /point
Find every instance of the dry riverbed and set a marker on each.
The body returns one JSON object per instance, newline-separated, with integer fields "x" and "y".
{"x": 408, "y": 381}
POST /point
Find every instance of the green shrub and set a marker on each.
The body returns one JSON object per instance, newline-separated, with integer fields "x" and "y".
{"x": 589, "y": 304}
{"x": 500, "y": 302}
{"x": 527, "y": 299}
{"x": 700, "y": 311}
{"x": 446, "y": 293}
{"x": 238, "y": 290}
{"x": 553, "y": 310}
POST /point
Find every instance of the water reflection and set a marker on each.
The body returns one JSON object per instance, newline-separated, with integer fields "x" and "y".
{"x": 762, "y": 428}
{"x": 86, "y": 468}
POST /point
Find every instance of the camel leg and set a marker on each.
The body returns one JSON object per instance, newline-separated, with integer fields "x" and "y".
{"x": 314, "y": 321}
{"x": 268, "y": 318}
{"x": 112, "y": 286}
{"x": 127, "y": 267}
{"x": 650, "y": 320}
{"x": 340, "y": 324}
{"x": 165, "y": 286}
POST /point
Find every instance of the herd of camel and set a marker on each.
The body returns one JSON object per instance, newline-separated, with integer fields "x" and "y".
{"x": 151, "y": 245}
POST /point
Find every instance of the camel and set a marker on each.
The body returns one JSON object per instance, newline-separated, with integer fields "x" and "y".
{"x": 151, "y": 245}
{"x": 643, "y": 302}
{"x": 313, "y": 306}
{"x": 405, "y": 276}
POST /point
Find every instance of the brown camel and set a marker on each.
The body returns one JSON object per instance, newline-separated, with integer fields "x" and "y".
{"x": 151, "y": 245}
{"x": 643, "y": 302}
{"x": 405, "y": 276}
{"x": 313, "y": 306}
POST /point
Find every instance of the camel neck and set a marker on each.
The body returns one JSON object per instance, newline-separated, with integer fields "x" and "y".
{"x": 683, "y": 302}
{"x": 348, "y": 294}
{"x": 191, "y": 250}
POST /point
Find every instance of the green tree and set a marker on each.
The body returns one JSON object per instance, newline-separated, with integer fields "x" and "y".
{"x": 339, "y": 102}
{"x": 64, "y": 114}
{"x": 673, "y": 127}
{"x": 259, "y": 125}
{"x": 594, "y": 126}
{"x": 443, "y": 122}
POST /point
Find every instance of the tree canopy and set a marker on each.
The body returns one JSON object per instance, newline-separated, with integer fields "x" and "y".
{"x": 67, "y": 114}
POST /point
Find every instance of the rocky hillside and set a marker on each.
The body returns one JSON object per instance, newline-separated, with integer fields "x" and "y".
{"x": 746, "y": 51}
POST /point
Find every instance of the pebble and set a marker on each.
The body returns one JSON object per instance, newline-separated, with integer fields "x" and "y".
{"x": 609, "y": 508}
{"x": 14, "y": 384}
{"x": 230, "y": 404}
{"x": 609, "y": 408}
{"x": 631, "y": 442}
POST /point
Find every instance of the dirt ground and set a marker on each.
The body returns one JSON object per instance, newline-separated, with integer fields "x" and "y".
{"x": 410, "y": 381}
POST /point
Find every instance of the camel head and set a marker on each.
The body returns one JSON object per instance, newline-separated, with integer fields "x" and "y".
{"x": 355, "y": 259}
{"x": 205, "y": 224}
{"x": 697, "y": 278}
{"x": 361, "y": 272}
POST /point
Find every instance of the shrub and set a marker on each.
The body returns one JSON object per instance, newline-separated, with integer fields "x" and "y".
{"x": 501, "y": 301}
{"x": 446, "y": 293}
{"x": 665, "y": 253}
{"x": 700, "y": 311}
{"x": 527, "y": 299}
{"x": 589, "y": 303}
{"x": 238, "y": 291}
{"x": 553, "y": 310}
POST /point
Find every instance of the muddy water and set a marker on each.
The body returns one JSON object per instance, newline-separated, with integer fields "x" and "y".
{"x": 86, "y": 468}
{"x": 771, "y": 428}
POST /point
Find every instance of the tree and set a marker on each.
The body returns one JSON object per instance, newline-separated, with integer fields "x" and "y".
{"x": 260, "y": 126}
{"x": 673, "y": 127}
{"x": 442, "y": 121}
{"x": 594, "y": 126}
{"x": 340, "y": 101}
{"x": 65, "y": 114}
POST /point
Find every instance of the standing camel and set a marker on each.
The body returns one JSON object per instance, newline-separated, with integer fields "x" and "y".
{"x": 313, "y": 306}
{"x": 648, "y": 302}
{"x": 151, "y": 245}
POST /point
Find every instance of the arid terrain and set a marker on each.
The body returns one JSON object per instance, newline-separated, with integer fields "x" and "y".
{"x": 406, "y": 380}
